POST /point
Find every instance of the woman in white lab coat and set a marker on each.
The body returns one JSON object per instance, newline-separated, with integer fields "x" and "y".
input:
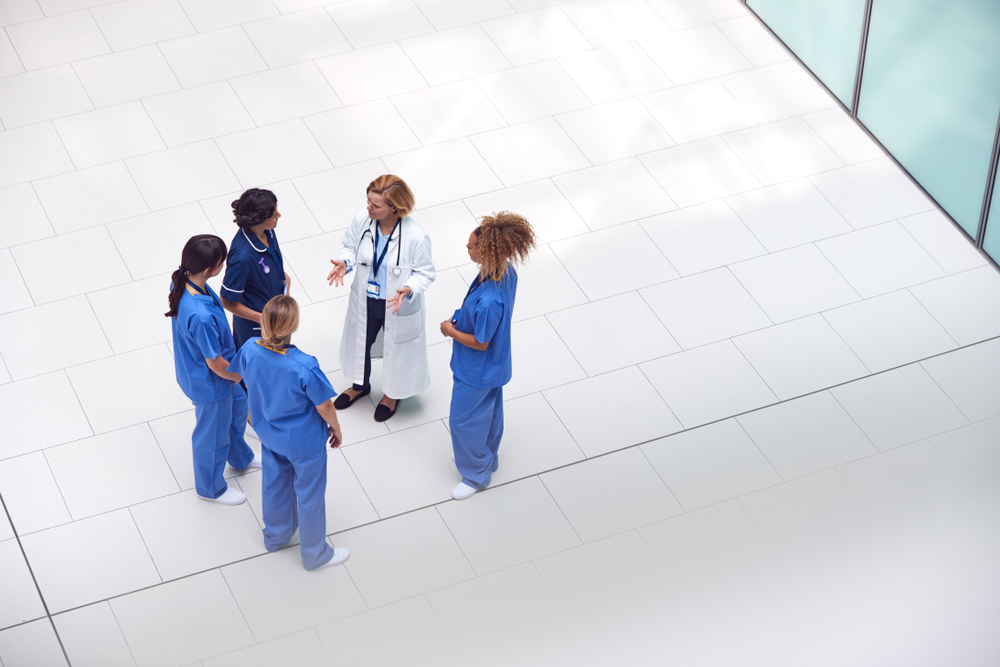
{"x": 390, "y": 256}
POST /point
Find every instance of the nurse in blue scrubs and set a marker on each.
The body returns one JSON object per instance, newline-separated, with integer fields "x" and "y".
{"x": 203, "y": 346}
{"x": 292, "y": 409}
{"x": 255, "y": 270}
{"x": 480, "y": 355}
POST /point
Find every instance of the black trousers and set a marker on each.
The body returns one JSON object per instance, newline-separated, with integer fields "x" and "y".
{"x": 376, "y": 321}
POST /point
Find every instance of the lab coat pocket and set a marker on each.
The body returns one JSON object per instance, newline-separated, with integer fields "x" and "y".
{"x": 407, "y": 327}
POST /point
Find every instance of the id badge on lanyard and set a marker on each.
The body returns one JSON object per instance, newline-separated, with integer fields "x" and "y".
{"x": 373, "y": 289}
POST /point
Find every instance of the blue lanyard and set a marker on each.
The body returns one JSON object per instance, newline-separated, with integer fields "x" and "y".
{"x": 377, "y": 261}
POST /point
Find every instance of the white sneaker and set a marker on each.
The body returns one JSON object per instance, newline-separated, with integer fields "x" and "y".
{"x": 256, "y": 464}
{"x": 230, "y": 497}
{"x": 340, "y": 556}
{"x": 463, "y": 491}
{"x": 250, "y": 433}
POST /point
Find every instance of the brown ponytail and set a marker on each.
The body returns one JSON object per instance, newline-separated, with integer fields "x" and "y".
{"x": 278, "y": 321}
{"x": 201, "y": 252}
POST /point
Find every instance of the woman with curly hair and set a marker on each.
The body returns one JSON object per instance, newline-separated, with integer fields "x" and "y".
{"x": 480, "y": 356}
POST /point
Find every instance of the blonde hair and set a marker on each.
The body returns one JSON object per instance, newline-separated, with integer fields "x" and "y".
{"x": 502, "y": 238}
{"x": 396, "y": 192}
{"x": 278, "y": 321}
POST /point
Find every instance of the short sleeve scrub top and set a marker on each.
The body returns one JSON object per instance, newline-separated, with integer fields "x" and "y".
{"x": 255, "y": 274}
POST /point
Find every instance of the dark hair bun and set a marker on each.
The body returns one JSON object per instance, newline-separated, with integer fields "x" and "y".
{"x": 254, "y": 207}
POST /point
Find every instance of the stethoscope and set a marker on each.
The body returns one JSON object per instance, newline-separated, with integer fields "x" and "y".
{"x": 399, "y": 244}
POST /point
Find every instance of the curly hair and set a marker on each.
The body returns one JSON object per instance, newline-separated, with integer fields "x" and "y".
{"x": 502, "y": 239}
{"x": 396, "y": 192}
{"x": 254, "y": 207}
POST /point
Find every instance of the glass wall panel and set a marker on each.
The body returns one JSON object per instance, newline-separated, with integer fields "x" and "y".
{"x": 930, "y": 93}
{"x": 826, "y": 36}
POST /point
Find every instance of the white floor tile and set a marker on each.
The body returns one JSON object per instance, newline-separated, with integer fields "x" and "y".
{"x": 889, "y": 330}
{"x": 806, "y": 435}
{"x": 550, "y": 214}
{"x": 698, "y": 172}
{"x": 702, "y": 237}
{"x": 31, "y": 645}
{"x": 151, "y": 244}
{"x": 430, "y": 406}
{"x": 25, "y": 220}
{"x": 894, "y": 470}
{"x": 753, "y": 40}
{"x": 111, "y": 184}
{"x": 705, "y": 308}
{"x": 91, "y": 487}
{"x": 970, "y": 445}
{"x": 899, "y": 407}
{"x": 446, "y": 14}
{"x": 508, "y": 525}
{"x": 131, "y": 315}
{"x": 532, "y": 91}
{"x": 798, "y": 500}
{"x": 708, "y": 383}
{"x": 185, "y": 534}
{"x": 96, "y": 137}
{"x": 794, "y": 283}
{"x": 591, "y": 565}
{"x": 613, "y": 333}
{"x": 615, "y": 72}
{"x": 711, "y": 464}
{"x": 87, "y": 260}
{"x": 173, "y": 434}
{"x": 366, "y": 23}
{"x": 129, "y": 24}
{"x": 949, "y": 247}
{"x": 380, "y": 630}
{"x": 384, "y": 573}
{"x": 440, "y": 304}
{"x": 844, "y": 136}
{"x": 534, "y": 36}
{"x": 444, "y": 172}
{"x": 126, "y": 76}
{"x": 697, "y": 111}
{"x": 182, "y": 621}
{"x": 92, "y": 638}
{"x": 297, "y": 37}
{"x": 57, "y": 40}
{"x": 30, "y": 494}
{"x": 406, "y": 470}
{"x": 223, "y": 13}
{"x": 646, "y": 266}
{"x": 180, "y": 175}
{"x": 20, "y": 11}
{"x": 336, "y": 195}
{"x": 319, "y": 334}
{"x": 778, "y": 91}
{"x": 37, "y": 96}
{"x": 611, "y": 494}
{"x": 292, "y": 598}
{"x": 782, "y": 151}
{"x": 541, "y": 277}
{"x": 311, "y": 258}
{"x": 114, "y": 395}
{"x": 15, "y": 296}
{"x": 880, "y": 259}
{"x": 614, "y": 131}
{"x": 351, "y": 73}
{"x": 29, "y": 404}
{"x": 273, "y": 153}
{"x": 286, "y": 93}
{"x": 871, "y": 192}
{"x": 39, "y": 152}
{"x": 89, "y": 560}
{"x": 362, "y": 132}
{"x": 495, "y": 595}
{"x": 680, "y": 14}
{"x": 969, "y": 377}
{"x": 529, "y": 151}
{"x": 800, "y": 356}
{"x": 9, "y": 62}
{"x": 604, "y": 23}
{"x": 447, "y": 226}
{"x": 432, "y": 54}
{"x": 302, "y": 648}
{"x": 698, "y": 532}
{"x": 198, "y": 113}
{"x": 212, "y": 56}
{"x": 695, "y": 54}
{"x": 965, "y": 304}
{"x": 638, "y": 195}
{"x": 448, "y": 111}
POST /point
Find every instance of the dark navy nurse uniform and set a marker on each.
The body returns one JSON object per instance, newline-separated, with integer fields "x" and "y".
{"x": 476, "y": 419}
{"x": 255, "y": 274}
{"x": 200, "y": 332}
{"x": 285, "y": 387}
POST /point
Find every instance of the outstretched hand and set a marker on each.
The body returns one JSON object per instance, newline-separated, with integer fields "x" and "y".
{"x": 397, "y": 301}
{"x": 337, "y": 273}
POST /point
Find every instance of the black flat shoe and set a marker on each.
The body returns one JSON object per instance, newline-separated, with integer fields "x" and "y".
{"x": 382, "y": 411}
{"x": 344, "y": 400}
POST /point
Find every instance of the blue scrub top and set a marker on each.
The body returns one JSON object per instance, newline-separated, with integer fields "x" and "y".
{"x": 201, "y": 331}
{"x": 255, "y": 273}
{"x": 284, "y": 388}
{"x": 485, "y": 313}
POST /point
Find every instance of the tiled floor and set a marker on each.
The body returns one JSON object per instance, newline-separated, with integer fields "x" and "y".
{"x": 754, "y": 418}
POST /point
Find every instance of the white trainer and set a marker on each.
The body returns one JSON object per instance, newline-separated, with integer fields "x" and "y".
{"x": 463, "y": 491}
{"x": 256, "y": 464}
{"x": 230, "y": 497}
{"x": 340, "y": 556}
{"x": 250, "y": 433}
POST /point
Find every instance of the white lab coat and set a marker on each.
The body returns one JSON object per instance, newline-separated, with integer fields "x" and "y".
{"x": 403, "y": 343}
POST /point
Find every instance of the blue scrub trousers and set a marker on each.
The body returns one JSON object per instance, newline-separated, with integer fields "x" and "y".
{"x": 294, "y": 496}
{"x": 476, "y": 424}
{"x": 218, "y": 438}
